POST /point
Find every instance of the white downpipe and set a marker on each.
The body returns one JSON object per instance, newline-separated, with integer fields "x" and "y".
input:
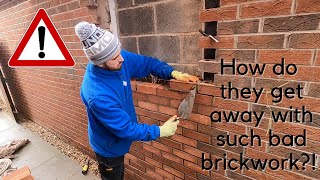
{"x": 113, "y": 16}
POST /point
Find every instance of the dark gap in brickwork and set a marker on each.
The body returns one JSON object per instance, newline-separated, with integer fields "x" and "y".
{"x": 152, "y": 79}
{"x": 211, "y": 28}
{"x": 212, "y": 4}
{"x": 208, "y": 76}
{"x": 209, "y": 54}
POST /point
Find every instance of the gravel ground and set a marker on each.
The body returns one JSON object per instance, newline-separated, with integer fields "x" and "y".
{"x": 65, "y": 148}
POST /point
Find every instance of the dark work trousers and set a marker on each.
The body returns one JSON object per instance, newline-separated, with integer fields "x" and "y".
{"x": 111, "y": 168}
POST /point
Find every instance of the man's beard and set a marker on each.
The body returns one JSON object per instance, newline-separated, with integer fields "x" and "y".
{"x": 114, "y": 69}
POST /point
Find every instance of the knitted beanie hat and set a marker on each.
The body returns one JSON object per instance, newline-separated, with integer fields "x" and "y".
{"x": 99, "y": 45}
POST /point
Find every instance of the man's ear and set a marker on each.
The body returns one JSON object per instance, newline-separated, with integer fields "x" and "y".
{"x": 101, "y": 65}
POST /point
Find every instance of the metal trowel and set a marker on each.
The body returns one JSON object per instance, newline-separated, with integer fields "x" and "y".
{"x": 185, "y": 107}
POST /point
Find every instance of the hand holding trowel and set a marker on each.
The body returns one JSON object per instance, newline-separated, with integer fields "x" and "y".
{"x": 185, "y": 107}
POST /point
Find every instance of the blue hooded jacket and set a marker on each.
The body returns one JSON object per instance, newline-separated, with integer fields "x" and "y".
{"x": 107, "y": 95}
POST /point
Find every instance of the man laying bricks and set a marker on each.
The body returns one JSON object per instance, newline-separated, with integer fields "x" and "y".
{"x": 106, "y": 93}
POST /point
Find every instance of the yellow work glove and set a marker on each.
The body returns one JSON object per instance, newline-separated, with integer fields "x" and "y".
{"x": 184, "y": 76}
{"x": 169, "y": 127}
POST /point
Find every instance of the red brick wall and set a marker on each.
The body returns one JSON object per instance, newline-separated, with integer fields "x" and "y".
{"x": 250, "y": 31}
{"x": 263, "y": 32}
{"x": 253, "y": 32}
{"x": 177, "y": 157}
{"x": 48, "y": 96}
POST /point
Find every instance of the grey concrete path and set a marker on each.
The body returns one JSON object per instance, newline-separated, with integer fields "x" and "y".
{"x": 45, "y": 161}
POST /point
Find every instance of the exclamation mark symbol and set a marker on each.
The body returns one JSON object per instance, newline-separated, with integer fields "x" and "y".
{"x": 314, "y": 157}
{"x": 41, "y": 31}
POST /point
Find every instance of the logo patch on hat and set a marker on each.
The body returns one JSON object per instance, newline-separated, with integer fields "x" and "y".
{"x": 94, "y": 38}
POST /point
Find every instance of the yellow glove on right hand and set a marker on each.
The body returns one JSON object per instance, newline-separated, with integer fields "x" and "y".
{"x": 184, "y": 76}
{"x": 169, "y": 127}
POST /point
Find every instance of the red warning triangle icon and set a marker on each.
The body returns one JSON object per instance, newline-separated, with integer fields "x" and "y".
{"x": 41, "y": 45}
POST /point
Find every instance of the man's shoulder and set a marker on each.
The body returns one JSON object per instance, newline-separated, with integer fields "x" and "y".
{"x": 95, "y": 88}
